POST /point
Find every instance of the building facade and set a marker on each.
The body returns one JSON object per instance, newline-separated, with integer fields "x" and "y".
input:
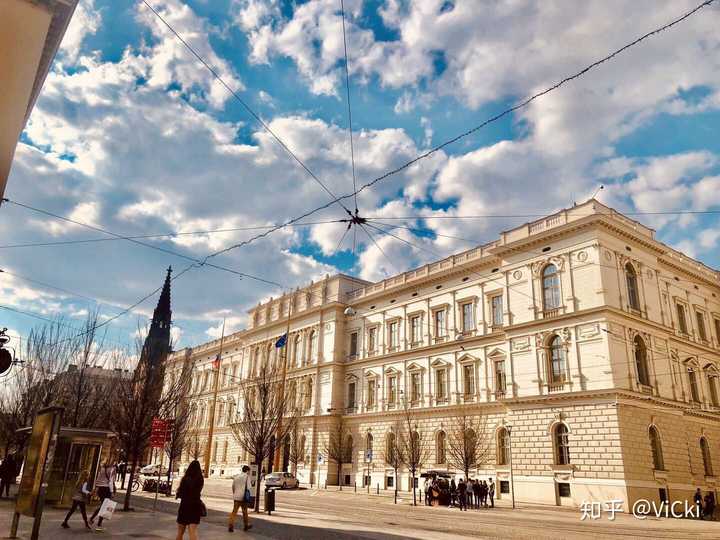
{"x": 590, "y": 349}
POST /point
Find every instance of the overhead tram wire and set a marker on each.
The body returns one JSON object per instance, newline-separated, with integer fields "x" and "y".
{"x": 247, "y": 107}
{"x": 144, "y": 244}
{"x": 533, "y": 97}
{"x": 490, "y": 120}
{"x": 392, "y": 265}
{"x": 349, "y": 108}
{"x": 159, "y": 235}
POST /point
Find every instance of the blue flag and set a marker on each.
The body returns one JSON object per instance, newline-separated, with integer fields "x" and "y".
{"x": 280, "y": 343}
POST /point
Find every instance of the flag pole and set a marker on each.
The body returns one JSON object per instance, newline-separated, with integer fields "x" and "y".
{"x": 276, "y": 464}
{"x": 211, "y": 432}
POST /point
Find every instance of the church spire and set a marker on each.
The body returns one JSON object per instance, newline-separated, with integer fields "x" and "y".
{"x": 157, "y": 342}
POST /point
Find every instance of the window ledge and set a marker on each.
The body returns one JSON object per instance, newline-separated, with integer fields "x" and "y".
{"x": 645, "y": 388}
{"x": 660, "y": 474}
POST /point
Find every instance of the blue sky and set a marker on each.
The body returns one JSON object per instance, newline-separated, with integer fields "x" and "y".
{"x": 133, "y": 135}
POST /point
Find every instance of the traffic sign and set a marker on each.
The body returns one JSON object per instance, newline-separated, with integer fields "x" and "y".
{"x": 160, "y": 432}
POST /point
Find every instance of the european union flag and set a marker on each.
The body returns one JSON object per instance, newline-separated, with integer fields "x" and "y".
{"x": 280, "y": 343}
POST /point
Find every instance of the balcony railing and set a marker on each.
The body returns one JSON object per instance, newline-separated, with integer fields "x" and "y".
{"x": 556, "y": 386}
{"x": 550, "y": 313}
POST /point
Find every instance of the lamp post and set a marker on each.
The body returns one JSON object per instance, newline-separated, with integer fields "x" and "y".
{"x": 512, "y": 480}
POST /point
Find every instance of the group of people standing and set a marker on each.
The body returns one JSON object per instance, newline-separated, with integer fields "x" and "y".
{"x": 470, "y": 493}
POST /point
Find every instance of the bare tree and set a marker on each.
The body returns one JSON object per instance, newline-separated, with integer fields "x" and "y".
{"x": 393, "y": 451}
{"x": 468, "y": 443}
{"x": 339, "y": 447}
{"x": 177, "y": 408}
{"x": 297, "y": 451}
{"x": 196, "y": 446}
{"x": 268, "y": 415}
{"x": 415, "y": 447}
{"x": 144, "y": 396}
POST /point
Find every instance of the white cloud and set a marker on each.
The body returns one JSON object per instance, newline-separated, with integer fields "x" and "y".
{"x": 85, "y": 21}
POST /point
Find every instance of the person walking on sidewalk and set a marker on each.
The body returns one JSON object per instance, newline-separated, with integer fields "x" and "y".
{"x": 191, "y": 506}
{"x": 462, "y": 495}
{"x": 491, "y": 492}
{"x": 242, "y": 495}
{"x": 8, "y": 473}
{"x": 81, "y": 495}
{"x": 105, "y": 489}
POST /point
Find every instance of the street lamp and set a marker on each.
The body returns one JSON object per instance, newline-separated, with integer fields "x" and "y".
{"x": 512, "y": 480}
{"x": 350, "y": 311}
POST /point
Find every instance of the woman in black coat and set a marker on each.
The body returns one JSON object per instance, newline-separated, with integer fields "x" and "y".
{"x": 191, "y": 507}
{"x": 8, "y": 472}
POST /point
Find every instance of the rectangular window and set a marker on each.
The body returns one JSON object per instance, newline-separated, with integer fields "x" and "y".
{"x": 353, "y": 344}
{"x": 712, "y": 386}
{"x": 563, "y": 489}
{"x": 347, "y": 479}
{"x": 415, "y": 334}
{"x": 371, "y": 393}
{"x": 717, "y": 331}
{"x": 440, "y": 385}
{"x": 393, "y": 335}
{"x": 496, "y": 308}
{"x": 505, "y": 487}
{"x": 390, "y": 481}
{"x": 468, "y": 380}
{"x": 701, "y": 325}
{"x": 372, "y": 340}
{"x": 392, "y": 390}
{"x": 351, "y": 395}
{"x": 500, "y": 378}
{"x": 415, "y": 387}
{"x": 694, "y": 391}
{"x": 440, "y": 323}
{"x": 468, "y": 318}
{"x": 682, "y": 322}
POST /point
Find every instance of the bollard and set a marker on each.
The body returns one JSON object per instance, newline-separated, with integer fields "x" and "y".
{"x": 378, "y": 489}
{"x": 368, "y": 488}
{"x": 355, "y": 486}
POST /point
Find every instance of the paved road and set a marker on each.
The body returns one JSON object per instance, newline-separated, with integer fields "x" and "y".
{"x": 312, "y": 513}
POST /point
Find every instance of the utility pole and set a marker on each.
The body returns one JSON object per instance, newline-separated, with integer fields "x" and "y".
{"x": 211, "y": 432}
{"x": 276, "y": 464}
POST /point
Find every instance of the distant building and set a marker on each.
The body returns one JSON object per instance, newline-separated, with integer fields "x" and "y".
{"x": 592, "y": 349}
{"x": 30, "y": 34}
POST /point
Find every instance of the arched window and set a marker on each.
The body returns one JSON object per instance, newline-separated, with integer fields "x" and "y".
{"x": 632, "y": 287}
{"x": 557, "y": 365}
{"x": 303, "y": 441}
{"x": 656, "y": 446}
{"x": 503, "y": 447}
{"x": 390, "y": 447}
{"x": 231, "y": 412}
{"x": 221, "y": 414}
{"x": 550, "y": 287}
{"x": 641, "y": 360}
{"x": 313, "y": 346}
{"x": 712, "y": 380}
{"x": 707, "y": 462}
{"x": 369, "y": 447}
{"x": 225, "y": 451}
{"x": 292, "y": 395}
{"x": 268, "y": 356}
{"x": 562, "y": 444}
{"x": 256, "y": 363}
{"x": 440, "y": 447}
{"x": 308, "y": 393}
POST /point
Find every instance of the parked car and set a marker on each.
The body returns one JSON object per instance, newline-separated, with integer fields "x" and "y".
{"x": 152, "y": 470}
{"x": 282, "y": 480}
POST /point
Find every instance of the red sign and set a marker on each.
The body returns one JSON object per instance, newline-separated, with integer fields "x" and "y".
{"x": 216, "y": 362}
{"x": 160, "y": 432}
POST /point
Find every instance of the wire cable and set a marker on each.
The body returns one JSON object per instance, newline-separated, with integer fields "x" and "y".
{"x": 349, "y": 108}
{"x": 144, "y": 244}
{"x": 529, "y": 100}
{"x": 160, "y": 235}
{"x": 392, "y": 265}
{"x": 245, "y": 106}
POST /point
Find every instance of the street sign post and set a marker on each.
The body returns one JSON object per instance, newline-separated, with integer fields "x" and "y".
{"x": 159, "y": 435}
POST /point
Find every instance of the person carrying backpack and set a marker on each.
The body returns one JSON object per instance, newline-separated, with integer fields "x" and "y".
{"x": 242, "y": 496}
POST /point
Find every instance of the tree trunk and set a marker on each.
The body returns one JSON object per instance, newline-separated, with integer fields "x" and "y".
{"x": 413, "y": 486}
{"x": 128, "y": 491}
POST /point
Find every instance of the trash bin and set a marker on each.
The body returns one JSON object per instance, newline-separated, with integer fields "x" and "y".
{"x": 269, "y": 500}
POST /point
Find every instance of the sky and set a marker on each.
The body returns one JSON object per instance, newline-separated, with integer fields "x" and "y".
{"x": 132, "y": 134}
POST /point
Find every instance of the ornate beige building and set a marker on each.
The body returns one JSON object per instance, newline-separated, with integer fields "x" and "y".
{"x": 592, "y": 349}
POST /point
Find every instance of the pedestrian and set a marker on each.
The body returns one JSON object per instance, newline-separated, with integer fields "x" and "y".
{"x": 81, "y": 495}
{"x": 191, "y": 506}
{"x": 242, "y": 496}
{"x": 491, "y": 492}
{"x": 122, "y": 469}
{"x": 426, "y": 487}
{"x": 462, "y": 494}
{"x": 709, "y": 505}
{"x": 483, "y": 493}
{"x": 469, "y": 491}
{"x": 8, "y": 473}
{"x": 105, "y": 489}
{"x": 453, "y": 493}
{"x": 698, "y": 498}
{"x": 477, "y": 492}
